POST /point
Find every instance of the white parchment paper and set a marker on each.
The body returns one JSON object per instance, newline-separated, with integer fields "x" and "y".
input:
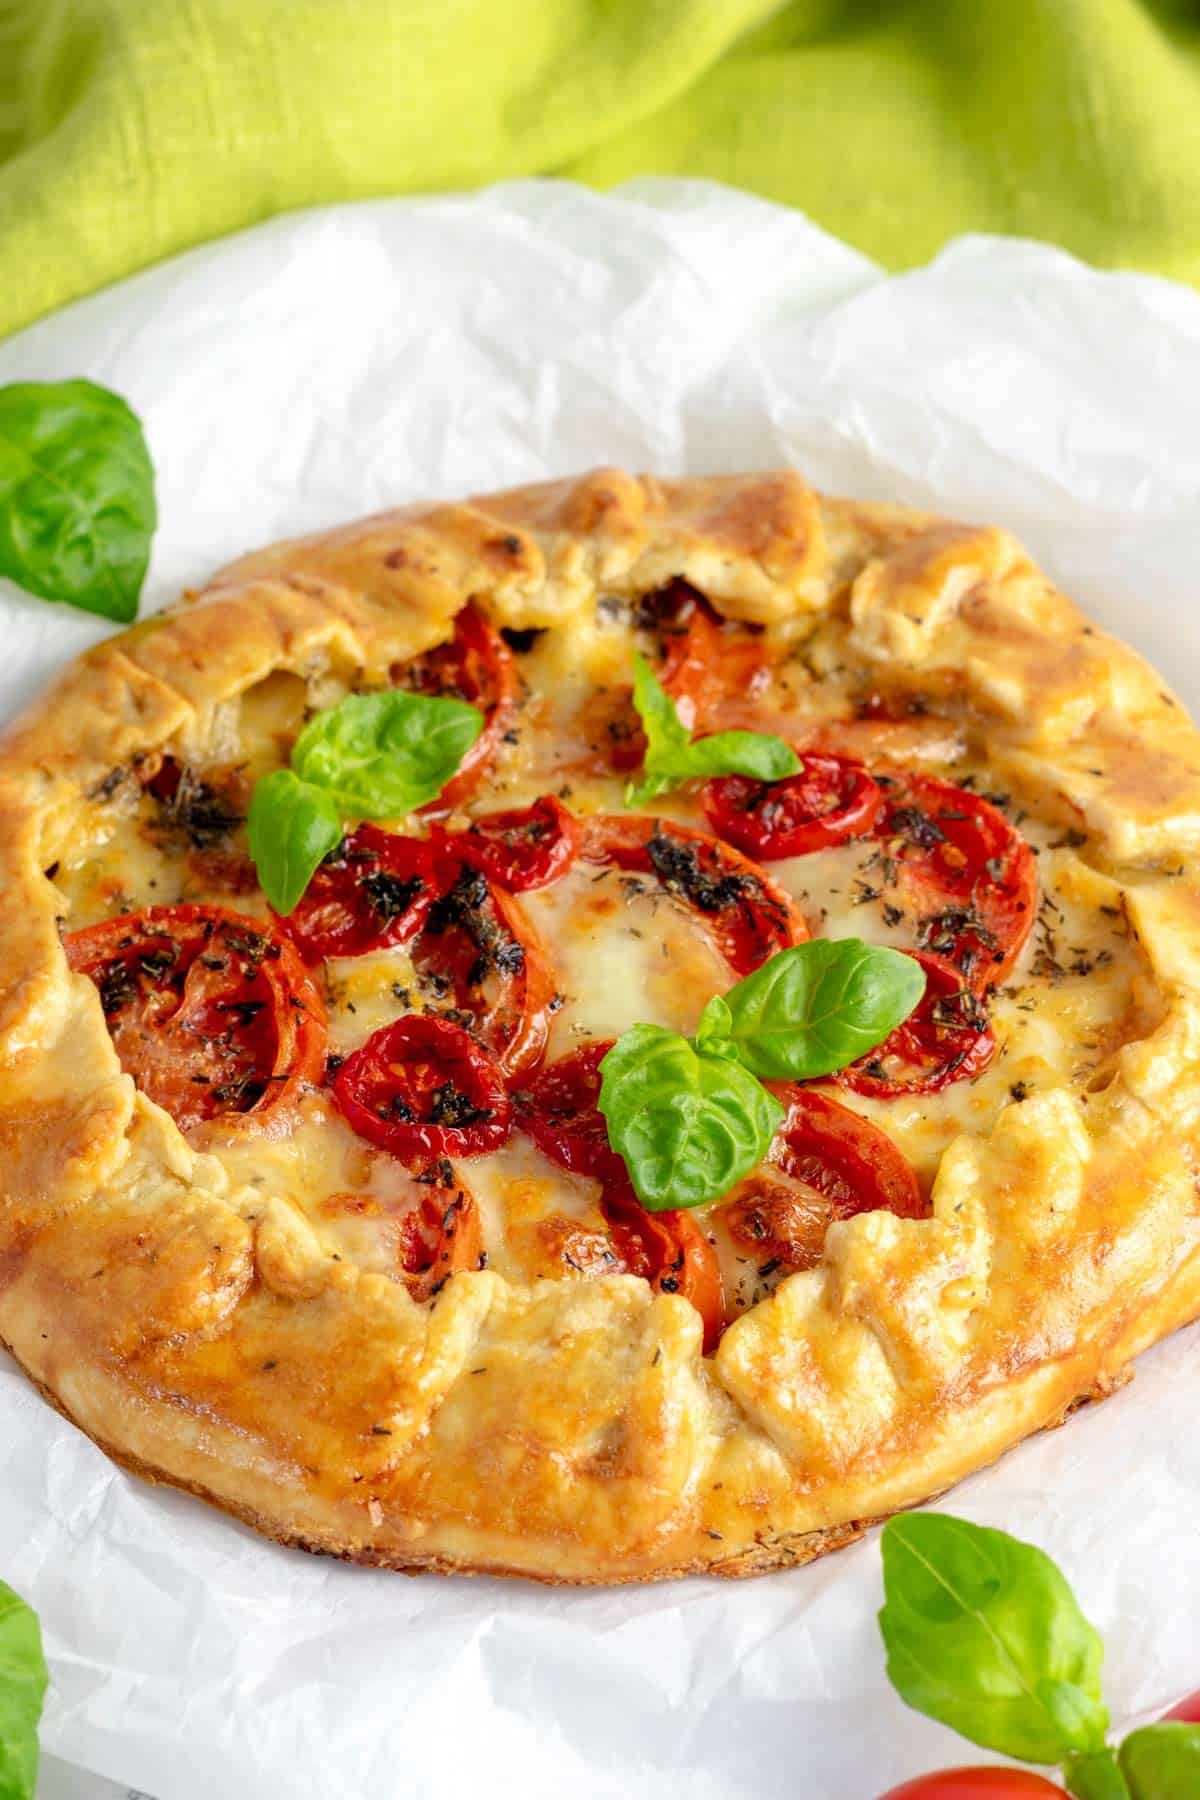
{"x": 338, "y": 361}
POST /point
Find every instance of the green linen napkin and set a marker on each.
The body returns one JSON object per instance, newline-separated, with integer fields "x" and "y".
{"x": 130, "y": 129}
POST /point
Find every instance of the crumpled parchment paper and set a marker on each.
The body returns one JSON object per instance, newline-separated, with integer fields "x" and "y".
{"x": 342, "y": 360}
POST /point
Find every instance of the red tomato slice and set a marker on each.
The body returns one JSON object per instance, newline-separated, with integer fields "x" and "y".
{"x": 1188, "y": 1710}
{"x": 835, "y": 1164}
{"x": 480, "y": 951}
{"x": 443, "y": 1235}
{"x": 946, "y": 1039}
{"x": 671, "y": 1252}
{"x": 423, "y": 1088}
{"x": 667, "y": 1249}
{"x": 211, "y": 1013}
{"x": 475, "y": 665}
{"x": 977, "y": 1784}
{"x": 558, "y": 1110}
{"x": 372, "y": 893}
{"x": 708, "y": 664}
{"x": 712, "y": 668}
{"x": 829, "y": 801}
{"x": 967, "y": 874}
{"x": 527, "y": 848}
{"x": 748, "y": 917}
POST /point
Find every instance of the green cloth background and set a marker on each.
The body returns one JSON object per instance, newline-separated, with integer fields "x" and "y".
{"x": 130, "y": 129}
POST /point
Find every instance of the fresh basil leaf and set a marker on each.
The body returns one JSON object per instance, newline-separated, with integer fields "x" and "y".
{"x": 713, "y": 1031}
{"x": 1162, "y": 1762}
{"x": 291, "y": 827}
{"x": 23, "y": 1681}
{"x": 673, "y": 756}
{"x": 666, "y": 734}
{"x": 382, "y": 755}
{"x": 1096, "y": 1776}
{"x": 984, "y": 1634}
{"x": 688, "y": 1124}
{"x": 819, "y": 1006}
{"x": 77, "y": 507}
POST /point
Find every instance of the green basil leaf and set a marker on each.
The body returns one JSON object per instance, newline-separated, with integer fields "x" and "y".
{"x": 1096, "y": 1776}
{"x": 672, "y": 756}
{"x": 77, "y": 507}
{"x": 667, "y": 738}
{"x": 382, "y": 755}
{"x": 23, "y": 1681}
{"x": 1162, "y": 1762}
{"x": 819, "y": 1006}
{"x": 688, "y": 1124}
{"x": 713, "y": 1031}
{"x": 984, "y": 1634}
{"x": 291, "y": 827}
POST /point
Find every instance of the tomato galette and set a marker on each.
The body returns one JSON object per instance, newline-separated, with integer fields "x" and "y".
{"x": 618, "y": 1028}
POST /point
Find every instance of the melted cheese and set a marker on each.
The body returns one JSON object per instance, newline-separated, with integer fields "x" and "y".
{"x": 622, "y": 952}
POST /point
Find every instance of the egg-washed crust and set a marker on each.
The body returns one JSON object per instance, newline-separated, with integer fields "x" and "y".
{"x": 574, "y": 1431}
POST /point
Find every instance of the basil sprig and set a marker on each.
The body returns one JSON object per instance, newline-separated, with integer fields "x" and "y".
{"x": 373, "y": 756}
{"x": 689, "y": 1121}
{"x": 292, "y": 827}
{"x": 984, "y": 1634}
{"x": 673, "y": 756}
{"x": 815, "y": 1008}
{"x": 690, "y": 1117}
{"x": 23, "y": 1681}
{"x": 383, "y": 755}
{"x": 77, "y": 506}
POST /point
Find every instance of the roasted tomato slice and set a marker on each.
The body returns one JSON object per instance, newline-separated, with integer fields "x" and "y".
{"x": 748, "y": 917}
{"x": 442, "y": 1236}
{"x": 668, "y": 1249}
{"x": 713, "y": 669}
{"x": 708, "y": 665}
{"x": 671, "y": 1252}
{"x": 423, "y": 1088}
{"x": 211, "y": 1013}
{"x": 558, "y": 1110}
{"x": 947, "y": 1038}
{"x": 519, "y": 850}
{"x": 475, "y": 665}
{"x": 829, "y": 801}
{"x": 480, "y": 955}
{"x": 967, "y": 875}
{"x": 827, "y": 1163}
{"x": 372, "y": 893}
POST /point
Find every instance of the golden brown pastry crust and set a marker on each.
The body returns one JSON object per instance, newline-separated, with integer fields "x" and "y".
{"x": 574, "y": 1432}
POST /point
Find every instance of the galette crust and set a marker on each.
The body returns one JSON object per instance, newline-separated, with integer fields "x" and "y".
{"x": 574, "y": 1431}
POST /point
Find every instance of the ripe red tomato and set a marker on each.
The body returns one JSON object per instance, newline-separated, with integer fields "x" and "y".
{"x": 422, "y": 1088}
{"x": 830, "y": 801}
{"x": 212, "y": 1013}
{"x": 977, "y": 1784}
{"x": 528, "y": 847}
{"x": 475, "y": 665}
{"x": 827, "y": 1163}
{"x": 708, "y": 662}
{"x": 444, "y": 1235}
{"x": 371, "y": 893}
{"x": 745, "y": 914}
{"x": 967, "y": 875}
{"x": 479, "y": 952}
{"x": 667, "y": 1249}
{"x": 946, "y": 1038}
{"x": 1187, "y": 1709}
